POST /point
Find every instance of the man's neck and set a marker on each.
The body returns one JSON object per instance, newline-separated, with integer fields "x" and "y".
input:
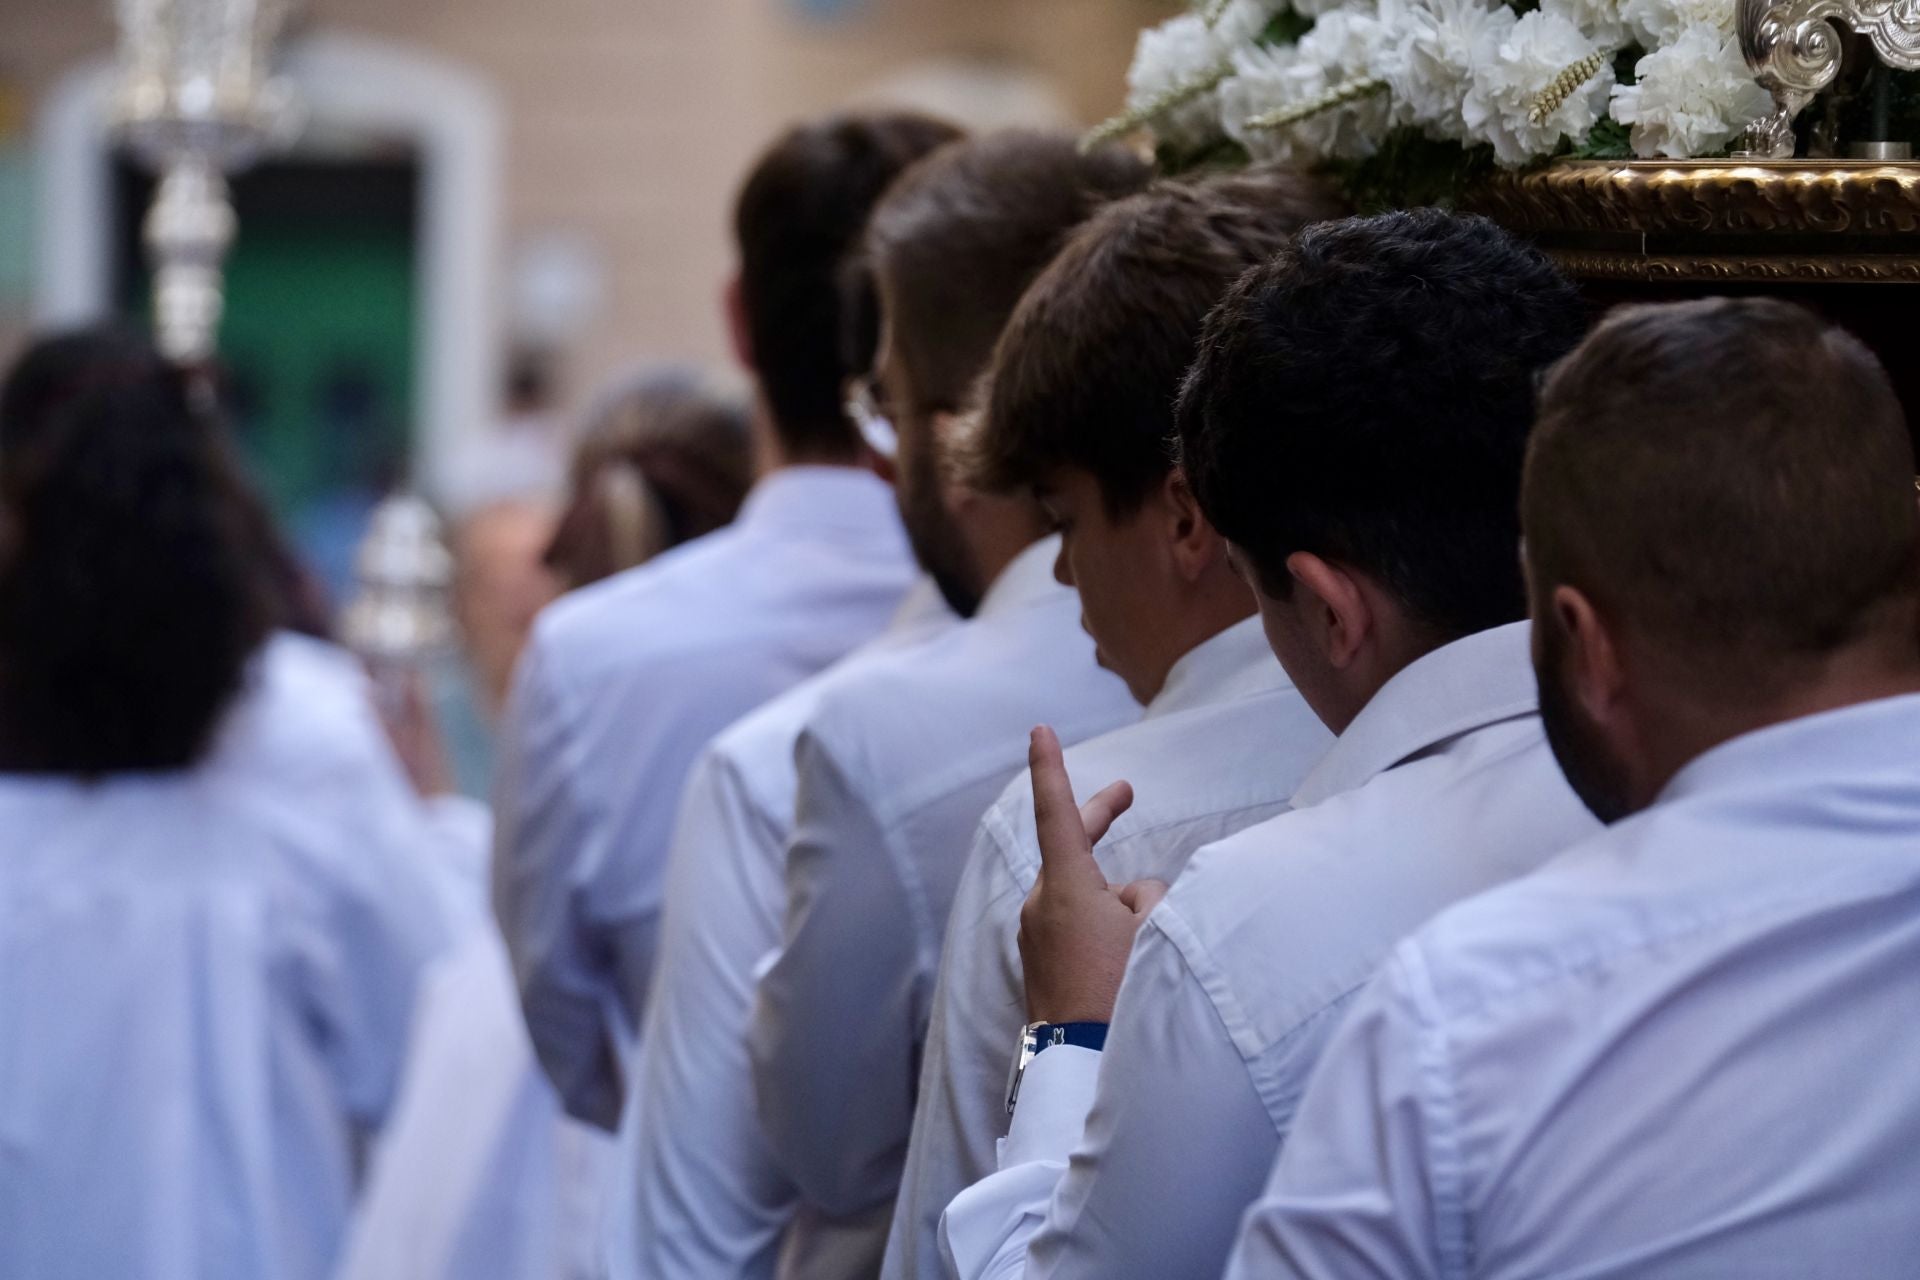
{"x": 997, "y": 530}
{"x": 1691, "y": 726}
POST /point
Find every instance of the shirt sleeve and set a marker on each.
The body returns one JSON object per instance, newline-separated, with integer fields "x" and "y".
{"x": 978, "y": 1010}
{"x": 1173, "y": 1095}
{"x": 1359, "y": 1190}
{"x": 387, "y": 914}
{"x": 706, "y": 1197}
{"x": 544, "y": 838}
{"x": 835, "y": 1023}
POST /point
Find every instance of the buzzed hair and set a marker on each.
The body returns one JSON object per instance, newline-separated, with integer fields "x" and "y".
{"x": 962, "y": 234}
{"x": 1733, "y": 479}
{"x": 1090, "y": 365}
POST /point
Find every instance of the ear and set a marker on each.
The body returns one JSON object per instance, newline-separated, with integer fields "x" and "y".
{"x": 1593, "y": 666}
{"x": 1332, "y": 606}
{"x": 1197, "y": 545}
{"x": 733, "y": 306}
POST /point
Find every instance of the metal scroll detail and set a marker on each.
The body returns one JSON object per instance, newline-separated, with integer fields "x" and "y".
{"x": 1794, "y": 48}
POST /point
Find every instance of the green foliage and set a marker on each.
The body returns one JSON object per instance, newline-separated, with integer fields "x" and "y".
{"x": 1223, "y": 154}
{"x": 1411, "y": 170}
{"x": 1607, "y": 140}
{"x": 1286, "y": 27}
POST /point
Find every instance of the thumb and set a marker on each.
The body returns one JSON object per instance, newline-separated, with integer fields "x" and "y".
{"x": 1142, "y": 896}
{"x": 1066, "y": 850}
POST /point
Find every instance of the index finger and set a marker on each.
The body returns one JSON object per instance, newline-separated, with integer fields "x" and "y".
{"x": 1065, "y": 850}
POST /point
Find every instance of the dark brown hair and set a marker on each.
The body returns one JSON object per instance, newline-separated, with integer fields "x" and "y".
{"x": 1366, "y": 397}
{"x": 964, "y": 232}
{"x": 800, "y": 212}
{"x": 1733, "y": 477}
{"x": 133, "y": 584}
{"x": 1088, "y": 369}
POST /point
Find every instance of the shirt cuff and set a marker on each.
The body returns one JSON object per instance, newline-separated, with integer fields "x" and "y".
{"x": 1056, "y": 1095}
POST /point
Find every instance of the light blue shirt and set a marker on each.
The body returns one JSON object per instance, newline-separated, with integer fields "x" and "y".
{"x": 621, "y": 686}
{"x": 895, "y": 771}
{"x": 206, "y": 983}
{"x": 1223, "y": 745}
{"x": 1686, "y": 1048}
{"x": 697, "y": 1194}
{"x": 1441, "y": 787}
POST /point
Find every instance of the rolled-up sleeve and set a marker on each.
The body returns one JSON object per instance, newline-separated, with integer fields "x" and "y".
{"x": 1367, "y": 1183}
{"x": 1173, "y": 1094}
{"x": 835, "y": 1017}
{"x": 545, "y": 834}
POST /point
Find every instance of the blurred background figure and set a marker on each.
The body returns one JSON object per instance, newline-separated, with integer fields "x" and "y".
{"x": 666, "y": 455}
{"x": 214, "y": 912}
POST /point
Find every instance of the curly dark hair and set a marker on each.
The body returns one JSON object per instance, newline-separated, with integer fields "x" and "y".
{"x": 134, "y": 584}
{"x": 1366, "y": 397}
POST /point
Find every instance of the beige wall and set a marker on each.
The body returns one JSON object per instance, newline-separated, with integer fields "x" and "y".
{"x": 629, "y": 121}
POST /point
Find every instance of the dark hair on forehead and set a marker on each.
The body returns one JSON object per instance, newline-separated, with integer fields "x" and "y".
{"x": 1732, "y": 477}
{"x": 800, "y": 212}
{"x": 963, "y": 233}
{"x": 1366, "y": 396}
{"x": 1088, "y": 369}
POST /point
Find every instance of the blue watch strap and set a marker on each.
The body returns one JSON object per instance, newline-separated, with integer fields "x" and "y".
{"x": 1083, "y": 1035}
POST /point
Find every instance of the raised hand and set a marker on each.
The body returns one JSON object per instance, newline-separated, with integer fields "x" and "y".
{"x": 1076, "y": 930}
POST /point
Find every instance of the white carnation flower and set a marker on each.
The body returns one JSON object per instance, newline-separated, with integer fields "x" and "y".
{"x": 1691, "y": 97}
{"x": 1262, "y": 81}
{"x": 1603, "y": 20}
{"x": 1499, "y": 105}
{"x": 1345, "y": 48}
{"x": 1170, "y": 59}
{"x": 1437, "y": 44}
{"x": 1656, "y": 23}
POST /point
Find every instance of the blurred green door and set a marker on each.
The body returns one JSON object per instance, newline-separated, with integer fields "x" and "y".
{"x": 317, "y": 337}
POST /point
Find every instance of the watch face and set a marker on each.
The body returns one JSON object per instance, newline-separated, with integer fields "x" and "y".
{"x": 1029, "y": 1045}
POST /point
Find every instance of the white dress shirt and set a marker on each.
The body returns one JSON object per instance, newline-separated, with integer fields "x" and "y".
{"x": 697, "y": 1194}
{"x": 1441, "y": 787}
{"x": 1680, "y": 1050}
{"x": 894, "y": 773}
{"x": 622, "y": 684}
{"x": 478, "y": 1174}
{"x": 206, "y": 980}
{"x": 1222, "y": 746}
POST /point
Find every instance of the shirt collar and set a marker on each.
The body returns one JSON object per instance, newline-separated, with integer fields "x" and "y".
{"x": 1863, "y": 739}
{"x": 1225, "y": 667}
{"x": 1469, "y": 684}
{"x": 1028, "y": 578}
{"x": 801, "y": 497}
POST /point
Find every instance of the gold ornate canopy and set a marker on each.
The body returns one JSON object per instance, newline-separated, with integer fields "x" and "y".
{"x": 1719, "y": 221}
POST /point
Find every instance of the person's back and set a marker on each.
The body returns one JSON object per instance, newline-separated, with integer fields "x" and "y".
{"x": 1682, "y": 1048}
{"x": 896, "y": 766}
{"x": 624, "y": 682}
{"x": 1081, "y": 408}
{"x": 208, "y": 956}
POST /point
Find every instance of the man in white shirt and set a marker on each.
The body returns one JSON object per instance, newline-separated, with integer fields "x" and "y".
{"x": 1080, "y": 412}
{"x": 1353, "y": 425}
{"x": 1682, "y": 1048}
{"x": 895, "y": 769}
{"x": 623, "y": 682}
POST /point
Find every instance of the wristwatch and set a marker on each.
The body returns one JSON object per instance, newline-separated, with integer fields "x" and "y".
{"x": 1036, "y": 1036}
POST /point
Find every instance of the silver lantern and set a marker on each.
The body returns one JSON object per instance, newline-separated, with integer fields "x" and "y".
{"x": 196, "y": 100}
{"x": 400, "y": 620}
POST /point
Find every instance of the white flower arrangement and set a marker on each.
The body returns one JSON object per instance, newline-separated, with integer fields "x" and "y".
{"x": 1315, "y": 81}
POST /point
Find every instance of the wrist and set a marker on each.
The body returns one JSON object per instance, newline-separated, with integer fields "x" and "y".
{"x": 1037, "y": 1037}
